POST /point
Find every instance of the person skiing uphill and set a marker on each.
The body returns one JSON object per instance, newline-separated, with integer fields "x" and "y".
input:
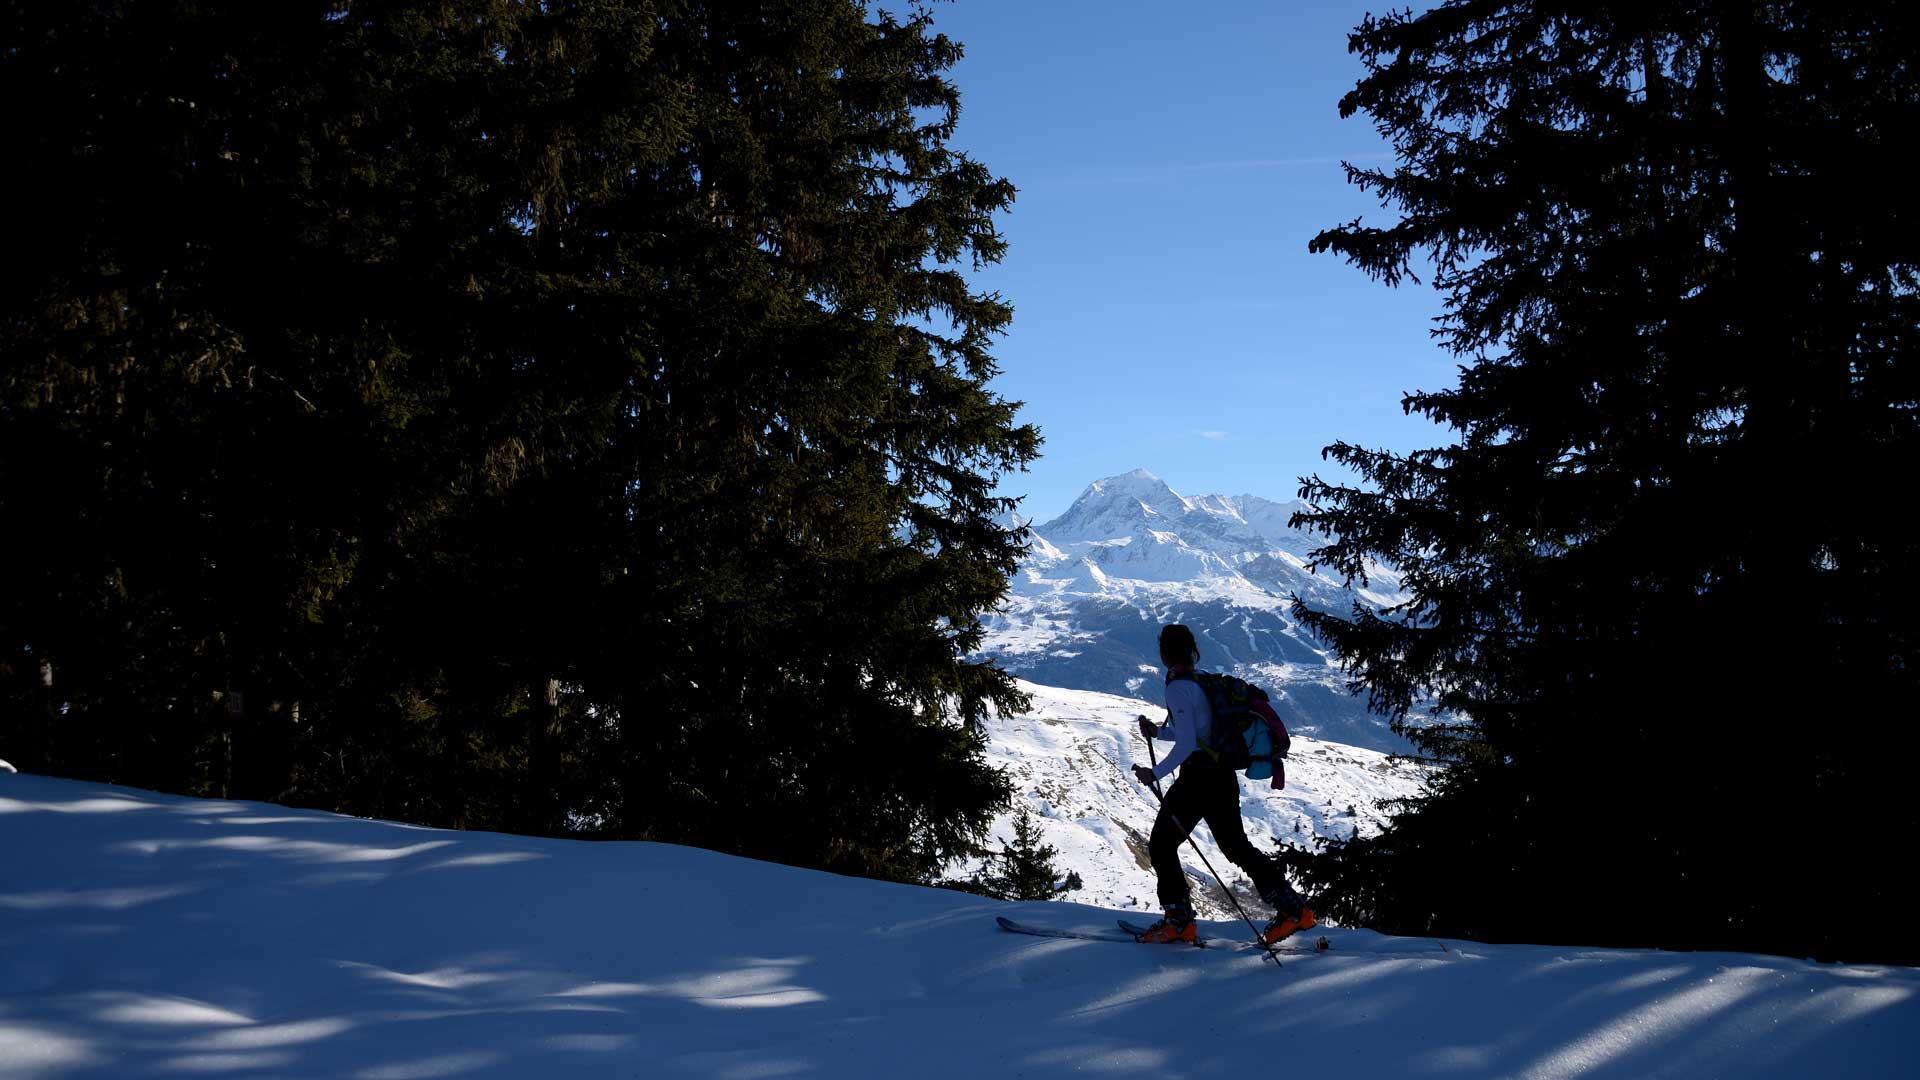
{"x": 1205, "y": 790}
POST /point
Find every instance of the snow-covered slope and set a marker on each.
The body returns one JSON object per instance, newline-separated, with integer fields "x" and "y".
{"x": 1068, "y": 759}
{"x": 148, "y": 936}
{"x": 1132, "y": 554}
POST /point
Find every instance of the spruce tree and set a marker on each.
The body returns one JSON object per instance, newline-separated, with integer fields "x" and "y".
{"x": 1659, "y": 582}
{"x": 531, "y": 416}
{"x": 1024, "y": 869}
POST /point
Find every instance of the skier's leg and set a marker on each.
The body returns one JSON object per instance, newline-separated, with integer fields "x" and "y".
{"x": 1290, "y": 910}
{"x": 1179, "y": 813}
{"x": 1222, "y": 813}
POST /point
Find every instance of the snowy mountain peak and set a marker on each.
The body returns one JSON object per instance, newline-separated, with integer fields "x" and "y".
{"x": 1117, "y": 506}
{"x": 1137, "y": 476}
{"x": 1139, "y": 504}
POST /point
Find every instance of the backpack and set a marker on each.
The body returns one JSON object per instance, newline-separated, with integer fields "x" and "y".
{"x": 1247, "y": 734}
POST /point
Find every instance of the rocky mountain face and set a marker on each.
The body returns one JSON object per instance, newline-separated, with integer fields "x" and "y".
{"x": 1132, "y": 554}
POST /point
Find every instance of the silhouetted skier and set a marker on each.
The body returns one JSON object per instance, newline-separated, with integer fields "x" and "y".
{"x": 1205, "y": 790}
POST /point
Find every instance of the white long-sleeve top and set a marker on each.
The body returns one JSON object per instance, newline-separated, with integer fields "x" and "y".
{"x": 1189, "y": 721}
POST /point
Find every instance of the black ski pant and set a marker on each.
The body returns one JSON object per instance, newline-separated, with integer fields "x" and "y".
{"x": 1205, "y": 791}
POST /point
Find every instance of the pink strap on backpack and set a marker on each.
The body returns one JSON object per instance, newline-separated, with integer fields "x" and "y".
{"x": 1282, "y": 741}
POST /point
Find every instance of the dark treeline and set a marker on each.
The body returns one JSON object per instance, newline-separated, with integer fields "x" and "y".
{"x": 491, "y": 414}
{"x": 1664, "y": 581}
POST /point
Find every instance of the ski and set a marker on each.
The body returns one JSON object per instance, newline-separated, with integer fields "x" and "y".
{"x": 1135, "y": 931}
{"x": 1229, "y": 943}
{"x": 1130, "y": 934}
{"x": 1044, "y": 931}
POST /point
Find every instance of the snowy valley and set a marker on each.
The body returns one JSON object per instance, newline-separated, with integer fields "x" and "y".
{"x": 1068, "y": 761}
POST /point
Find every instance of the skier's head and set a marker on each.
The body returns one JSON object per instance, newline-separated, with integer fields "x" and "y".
{"x": 1177, "y": 647}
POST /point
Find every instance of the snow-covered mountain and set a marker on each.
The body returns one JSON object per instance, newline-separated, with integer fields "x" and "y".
{"x": 1069, "y": 759}
{"x": 1132, "y": 554}
{"x": 145, "y": 935}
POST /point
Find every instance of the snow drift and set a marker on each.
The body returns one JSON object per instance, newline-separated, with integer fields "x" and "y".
{"x": 149, "y": 935}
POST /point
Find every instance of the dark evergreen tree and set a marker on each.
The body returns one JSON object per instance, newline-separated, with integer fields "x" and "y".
{"x": 1661, "y": 586}
{"x": 526, "y": 416}
{"x": 1024, "y": 869}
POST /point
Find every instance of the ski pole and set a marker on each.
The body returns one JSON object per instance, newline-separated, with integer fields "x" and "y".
{"x": 1259, "y": 940}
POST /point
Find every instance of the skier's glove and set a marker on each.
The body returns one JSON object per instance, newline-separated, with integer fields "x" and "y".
{"x": 1144, "y": 775}
{"x": 1148, "y": 728}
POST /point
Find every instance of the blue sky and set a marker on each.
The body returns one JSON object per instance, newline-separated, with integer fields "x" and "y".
{"x": 1173, "y": 160}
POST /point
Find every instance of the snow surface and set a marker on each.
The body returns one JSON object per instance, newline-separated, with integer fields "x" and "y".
{"x": 144, "y": 935}
{"x": 1069, "y": 760}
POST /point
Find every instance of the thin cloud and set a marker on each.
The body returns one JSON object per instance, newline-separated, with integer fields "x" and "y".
{"x": 1266, "y": 163}
{"x": 1216, "y": 436}
{"x": 1173, "y": 172}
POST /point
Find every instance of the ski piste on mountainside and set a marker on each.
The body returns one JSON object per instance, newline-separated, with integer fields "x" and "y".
{"x": 1132, "y": 554}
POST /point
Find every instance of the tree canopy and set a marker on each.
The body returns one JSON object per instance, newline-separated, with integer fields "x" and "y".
{"x": 1661, "y": 583}
{"x": 568, "y": 417}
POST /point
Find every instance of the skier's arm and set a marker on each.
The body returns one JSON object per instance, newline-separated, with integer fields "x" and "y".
{"x": 1184, "y": 701}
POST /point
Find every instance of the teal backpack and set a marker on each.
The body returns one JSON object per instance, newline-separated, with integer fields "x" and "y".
{"x": 1247, "y": 734}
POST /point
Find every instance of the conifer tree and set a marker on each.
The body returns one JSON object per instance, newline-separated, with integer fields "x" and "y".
{"x": 531, "y": 416}
{"x": 1659, "y": 582}
{"x": 1024, "y": 869}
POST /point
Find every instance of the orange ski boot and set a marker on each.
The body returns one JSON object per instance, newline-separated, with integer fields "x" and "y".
{"x": 1176, "y": 925}
{"x": 1284, "y": 924}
